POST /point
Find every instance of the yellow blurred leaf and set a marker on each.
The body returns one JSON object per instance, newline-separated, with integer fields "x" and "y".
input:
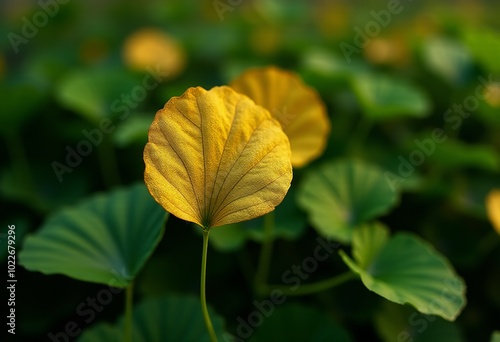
{"x": 297, "y": 107}
{"x": 152, "y": 48}
{"x": 493, "y": 208}
{"x": 214, "y": 157}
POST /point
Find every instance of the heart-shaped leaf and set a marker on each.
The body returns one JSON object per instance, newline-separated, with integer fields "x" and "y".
{"x": 407, "y": 269}
{"x": 215, "y": 157}
{"x": 383, "y": 97}
{"x": 340, "y": 195}
{"x": 105, "y": 239}
{"x": 295, "y": 322}
{"x": 295, "y": 105}
{"x": 160, "y": 319}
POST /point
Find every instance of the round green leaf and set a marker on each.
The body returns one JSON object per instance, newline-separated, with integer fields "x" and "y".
{"x": 160, "y": 319}
{"x": 409, "y": 270}
{"x": 105, "y": 239}
{"x": 367, "y": 241}
{"x": 295, "y": 322}
{"x": 97, "y": 94}
{"x": 382, "y": 97}
{"x": 495, "y": 337}
{"x": 339, "y": 196}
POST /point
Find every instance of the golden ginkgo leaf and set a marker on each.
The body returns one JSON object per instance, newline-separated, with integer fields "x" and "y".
{"x": 297, "y": 107}
{"x": 215, "y": 157}
{"x": 493, "y": 208}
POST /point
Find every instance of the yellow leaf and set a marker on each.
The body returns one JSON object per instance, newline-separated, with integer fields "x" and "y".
{"x": 154, "y": 49}
{"x": 297, "y": 107}
{"x": 214, "y": 157}
{"x": 493, "y": 208}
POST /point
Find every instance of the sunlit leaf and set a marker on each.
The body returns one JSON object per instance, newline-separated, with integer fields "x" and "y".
{"x": 297, "y": 107}
{"x": 493, "y": 208}
{"x": 404, "y": 323}
{"x": 169, "y": 318}
{"x": 295, "y": 322}
{"x": 495, "y": 337}
{"x": 105, "y": 239}
{"x": 214, "y": 158}
{"x": 338, "y": 196}
{"x": 409, "y": 270}
{"x": 382, "y": 97}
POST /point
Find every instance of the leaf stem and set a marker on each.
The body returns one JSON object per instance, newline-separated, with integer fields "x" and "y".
{"x": 129, "y": 323}
{"x": 266, "y": 253}
{"x": 206, "y": 316}
{"x": 314, "y": 287}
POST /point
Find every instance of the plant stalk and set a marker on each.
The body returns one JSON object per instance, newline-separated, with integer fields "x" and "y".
{"x": 128, "y": 324}
{"x": 315, "y": 287}
{"x": 266, "y": 253}
{"x": 206, "y": 316}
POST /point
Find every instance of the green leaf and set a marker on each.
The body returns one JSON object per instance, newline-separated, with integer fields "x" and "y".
{"x": 338, "y": 196}
{"x": 133, "y": 130}
{"x": 404, "y": 323}
{"x": 495, "y": 337}
{"x": 409, "y": 270}
{"x": 169, "y": 318}
{"x": 448, "y": 58}
{"x": 99, "y": 93}
{"x": 382, "y": 97}
{"x": 484, "y": 45}
{"x": 105, "y": 239}
{"x": 296, "y": 322}
{"x": 367, "y": 241}
{"x": 454, "y": 154}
